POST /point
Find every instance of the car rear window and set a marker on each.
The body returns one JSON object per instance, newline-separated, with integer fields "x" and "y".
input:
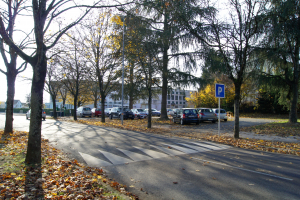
{"x": 86, "y": 109}
{"x": 222, "y": 111}
{"x": 190, "y": 111}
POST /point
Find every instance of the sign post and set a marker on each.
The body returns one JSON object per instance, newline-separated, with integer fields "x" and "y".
{"x": 220, "y": 93}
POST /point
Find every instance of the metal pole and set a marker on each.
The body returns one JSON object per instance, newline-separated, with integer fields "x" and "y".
{"x": 122, "y": 112}
{"x": 219, "y": 124}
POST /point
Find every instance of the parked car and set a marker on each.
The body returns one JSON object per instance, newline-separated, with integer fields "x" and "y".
{"x": 186, "y": 116}
{"x": 29, "y": 113}
{"x": 107, "y": 111}
{"x": 117, "y": 111}
{"x": 207, "y": 114}
{"x": 223, "y": 114}
{"x": 154, "y": 112}
{"x": 96, "y": 112}
{"x": 170, "y": 111}
{"x": 139, "y": 113}
{"x": 84, "y": 112}
{"x": 175, "y": 110}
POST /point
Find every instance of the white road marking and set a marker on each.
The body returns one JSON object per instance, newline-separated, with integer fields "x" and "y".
{"x": 93, "y": 161}
{"x": 168, "y": 151}
{"x": 214, "y": 144}
{"x": 209, "y": 146}
{"x": 116, "y": 160}
{"x": 173, "y": 150}
{"x": 185, "y": 150}
{"x": 223, "y": 164}
{"x": 199, "y": 149}
{"x": 153, "y": 154}
{"x": 135, "y": 156}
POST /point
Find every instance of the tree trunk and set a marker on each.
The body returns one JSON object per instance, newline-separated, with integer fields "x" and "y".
{"x": 102, "y": 107}
{"x": 165, "y": 72}
{"x": 54, "y": 106}
{"x": 11, "y": 78}
{"x": 164, "y": 90}
{"x": 131, "y": 89}
{"x": 237, "y": 110}
{"x": 294, "y": 102}
{"x": 75, "y": 107}
{"x": 295, "y": 87}
{"x": 95, "y": 102}
{"x": 149, "y": 108}
{"x": 33, "y": 155}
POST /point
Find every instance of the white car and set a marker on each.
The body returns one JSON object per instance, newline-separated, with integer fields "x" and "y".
{"x": 223, "y": 114}
{"x": 83, "y": 111}
{"x": 29, "y": 113}
{"x": 170, "y": 111}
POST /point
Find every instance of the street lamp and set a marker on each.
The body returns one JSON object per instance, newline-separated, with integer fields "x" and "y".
{"x": 122, "y": 114}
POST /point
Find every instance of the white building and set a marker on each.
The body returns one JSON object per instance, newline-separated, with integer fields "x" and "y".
{"x": 59, "y": 105}
{"x": 17, "y": 104}
{"x": 175, "y": 99}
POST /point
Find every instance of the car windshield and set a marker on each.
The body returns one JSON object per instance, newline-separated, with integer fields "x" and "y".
{"x": 86, "y": 109}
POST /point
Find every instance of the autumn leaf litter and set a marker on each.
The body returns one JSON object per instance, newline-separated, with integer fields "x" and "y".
{"x": 57, "y": 178}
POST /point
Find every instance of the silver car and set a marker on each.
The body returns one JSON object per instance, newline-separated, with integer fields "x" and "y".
{"x": 83, "y": 111}
{"x": 207, "y": 114}
{"x": 43, "y": 114}
{"x": 223, "y": 114}
{"x": 139, "y": 113}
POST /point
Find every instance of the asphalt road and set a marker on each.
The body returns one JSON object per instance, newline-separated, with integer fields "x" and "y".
{"x": 158, "y": 167}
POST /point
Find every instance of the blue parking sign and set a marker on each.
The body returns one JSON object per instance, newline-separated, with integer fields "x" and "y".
{"x": 220, "y": 90}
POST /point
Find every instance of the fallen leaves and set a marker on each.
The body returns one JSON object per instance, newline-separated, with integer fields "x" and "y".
{"x": 263, "y": 145}
{"x": 57, "y": 177}
{"x": 280, "y": 128}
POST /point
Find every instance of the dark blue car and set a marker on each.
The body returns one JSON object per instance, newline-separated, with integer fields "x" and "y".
{"x": 186, "y": 116}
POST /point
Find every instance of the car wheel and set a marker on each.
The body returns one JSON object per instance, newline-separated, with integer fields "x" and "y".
{"x": 197, "y": 123}
{"x": 110, "y": 116}
{"x": 181, "y": 122}
{"x": 174, "y": 121}
{"x": 225, "y": 120}
{"x": 26, "y": 117}
{"x": 214, "y": 121}
{"x": 80, "y": 115}
{"x": 44, "y": 118}
{"x": 90, "y": 116}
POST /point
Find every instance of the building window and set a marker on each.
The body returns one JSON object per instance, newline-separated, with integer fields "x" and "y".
{"x": 168, "y": 102}
{"x": 176, "y": 92}
{"x": 176, "y": 102}
{"x": 168, "y": 97}
{"x": 180, "y": 102}
{"x": 183, "y": 102}
{"x": 176, "y": 97}
{"x": 172, "y": 97}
